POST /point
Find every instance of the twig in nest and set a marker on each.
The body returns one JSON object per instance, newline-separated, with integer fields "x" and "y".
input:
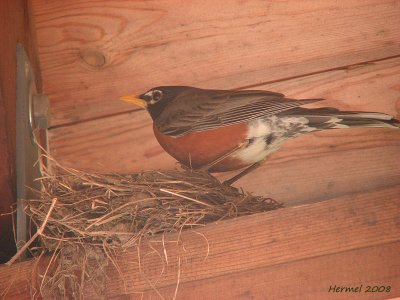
{"x": 178, "y": 280}
{"x": 185, "y": 197}
{"x": 37, "y": 233}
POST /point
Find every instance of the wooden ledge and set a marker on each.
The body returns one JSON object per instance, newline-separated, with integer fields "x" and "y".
{"x": 316, "y": 241}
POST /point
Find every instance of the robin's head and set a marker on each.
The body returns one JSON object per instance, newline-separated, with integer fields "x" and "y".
{"x": 156, "y": 99}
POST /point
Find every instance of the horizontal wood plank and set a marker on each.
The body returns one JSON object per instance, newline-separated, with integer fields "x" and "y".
{"x": 280, "y": 241}
{"x": 353, "y": 159}
{"x": 92, "y": 52}
{"x": 305, "y": 279}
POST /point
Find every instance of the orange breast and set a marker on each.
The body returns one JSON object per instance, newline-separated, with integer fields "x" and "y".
{"x": 198, "y": 149}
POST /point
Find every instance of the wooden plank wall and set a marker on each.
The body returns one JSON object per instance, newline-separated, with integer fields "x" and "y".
{"x": 348, "y": 52}
{"x": 345, "y": 51}
{"x": 94, "y": 51}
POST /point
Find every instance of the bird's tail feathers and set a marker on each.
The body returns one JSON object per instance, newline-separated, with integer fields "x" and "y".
{"x": 326, "y": 118}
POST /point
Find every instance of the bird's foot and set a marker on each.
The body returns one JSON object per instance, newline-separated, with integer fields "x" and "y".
{"x": 241, "y": 174}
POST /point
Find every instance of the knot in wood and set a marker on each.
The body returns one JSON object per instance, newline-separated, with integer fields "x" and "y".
{"x": 93, "y": 58}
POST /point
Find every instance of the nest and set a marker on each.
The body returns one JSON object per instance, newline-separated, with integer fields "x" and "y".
{"x": 83, "y": 217}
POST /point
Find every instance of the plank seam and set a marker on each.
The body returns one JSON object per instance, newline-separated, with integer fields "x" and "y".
{"x": 351, "y": 66}
{"x": 280, "y": 264}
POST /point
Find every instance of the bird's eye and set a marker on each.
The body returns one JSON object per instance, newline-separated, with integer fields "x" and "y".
{"x": 157, "y": 95}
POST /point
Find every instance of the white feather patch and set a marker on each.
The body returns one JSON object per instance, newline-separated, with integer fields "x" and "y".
{"x": 260, "y": 129}
{"x": 257, "y": 150}
{"x": 335, "y": 121}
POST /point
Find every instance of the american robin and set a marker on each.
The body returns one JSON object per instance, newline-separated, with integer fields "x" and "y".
{"x": 223, "y": 130}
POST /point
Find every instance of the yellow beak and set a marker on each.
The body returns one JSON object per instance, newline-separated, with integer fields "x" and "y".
{"x": 134, "y": 100}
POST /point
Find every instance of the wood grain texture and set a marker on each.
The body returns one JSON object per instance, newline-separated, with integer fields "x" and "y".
{"x": 322, "y": 243}
{"x": 353, "y": 159}
{"x": 92, "y": 52}
{"x": 304, "y": 279}
{"x": 16, "y": 282}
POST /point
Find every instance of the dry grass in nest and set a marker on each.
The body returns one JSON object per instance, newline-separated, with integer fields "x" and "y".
{"x": 84, "y": 217}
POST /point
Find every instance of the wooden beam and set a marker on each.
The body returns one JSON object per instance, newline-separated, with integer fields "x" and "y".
{"x": 353, "y": 160}
{"x": 304, "y": 279}
{"x": 92, "y": 52}
{"x": 304, "y": 239}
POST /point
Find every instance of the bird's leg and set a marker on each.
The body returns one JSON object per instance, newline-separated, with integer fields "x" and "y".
{"x": 222, "y": 157}
{"x": 241, "y": 174}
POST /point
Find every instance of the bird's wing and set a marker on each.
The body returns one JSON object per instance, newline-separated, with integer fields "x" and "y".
{"x": 206, "y": 110}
